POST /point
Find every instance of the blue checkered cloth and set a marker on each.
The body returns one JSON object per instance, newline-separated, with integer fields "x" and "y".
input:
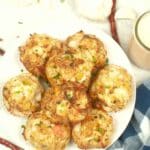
{"x": 137, "y": 134}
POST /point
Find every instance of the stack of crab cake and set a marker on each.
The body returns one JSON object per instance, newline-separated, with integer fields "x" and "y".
{"x": 76, "y": 104}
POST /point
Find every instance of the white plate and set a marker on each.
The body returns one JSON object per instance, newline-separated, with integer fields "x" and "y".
{"x": 10, "y": 126}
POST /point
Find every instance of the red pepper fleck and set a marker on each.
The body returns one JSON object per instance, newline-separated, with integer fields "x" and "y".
{"x": 2, "y": 52}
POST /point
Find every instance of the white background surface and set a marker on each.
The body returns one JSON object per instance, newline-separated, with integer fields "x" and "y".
{"x": 11, "y": 66}
{"x": 22, "y": 10}
{"x": 36, "y": 15}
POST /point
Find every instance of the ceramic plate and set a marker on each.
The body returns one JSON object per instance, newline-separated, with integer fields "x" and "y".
{"x": 10, "y": 126}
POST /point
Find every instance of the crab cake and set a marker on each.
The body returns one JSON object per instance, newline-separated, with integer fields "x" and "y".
{"x": 35, "y": 52}
{"x": 67, "y": 101}
{"x": 93, "y": 132}
{"x": 46, "y": 134}
{"x": 112, "y": 88}
{"x": 89, "y": 47}
{"x": 22, "y": 94}
{"x": 68, "y": 67}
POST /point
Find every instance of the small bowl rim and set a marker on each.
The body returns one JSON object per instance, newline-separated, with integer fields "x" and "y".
{"x": 136, "y": 30}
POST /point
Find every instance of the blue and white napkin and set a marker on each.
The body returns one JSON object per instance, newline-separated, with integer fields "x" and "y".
{"x": 137, "y": 134}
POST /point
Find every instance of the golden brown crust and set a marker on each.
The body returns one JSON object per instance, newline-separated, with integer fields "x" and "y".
{"x": 35, "y": 52}
{"x": 66, "y": 101}
{"x": 82, "y": 54}
{"x": 89, "y": 46}
{"x": 93, "y": 132}
{"x": 22, "y": 94}
{"x": 112, "y": 87}
{"x": 67, "y": 66}
{"x": 45, "y": 133}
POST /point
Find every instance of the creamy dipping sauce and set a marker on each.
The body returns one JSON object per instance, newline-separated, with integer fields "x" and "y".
{"x": 143, "y": 30}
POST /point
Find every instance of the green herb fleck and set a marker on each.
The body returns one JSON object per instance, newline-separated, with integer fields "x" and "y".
{"x": 21, "y": 70}
{"x": 57, "y": 76}
{"x": 54, "y": 67}
{"x": 107, "y": 61}
{"x": 23, "y": 126}
{"x": 62, "y": 1}
{"x": 38, "y": 124}
{"x": 80, "y": 46}
{"x": 100, "y": 130}
{"x": 62, "y": 105}
{"x": 49, "y": 126}
{"x": 94, "y": 73}
{"x": 17, "y": 92}
{"x": 68, "y": 56}
{"x": 107, "y": 86}
{"x": 94, "y": 59}
{"x": 100, "y": 116}
{"x": 69, "y": 95}
{"x": 96, "y": 139}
